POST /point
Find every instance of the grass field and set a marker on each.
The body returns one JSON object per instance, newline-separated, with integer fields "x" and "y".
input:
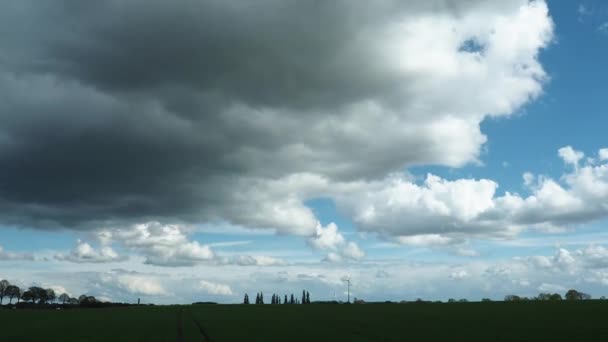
{"x": 496, "y": 321}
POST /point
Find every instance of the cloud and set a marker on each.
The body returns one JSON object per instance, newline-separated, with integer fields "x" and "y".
{"x": 583, "y": 11}
{"x": 467, "y": 252}
{"x": 327, "y": 237}
{"x": 459, "y": 275}
{"x": 59, "y": 290}
{"x": 603, "y": 154}
{"x": 165, "y": 245}
{"x": 162, "y": 245}
{"x": 382, "y": 274}
{"x": 134, "y": 282}
{"x": 544, "y": 287}
{"x": 252, "y": 260}
{"x": 434, "y": 213}
{"x": 215, "y": 289}
{"x": 144, "y": 111}
{"x": 440, "y": 212}
{"x": 437, "y": 279}
{"x": 594, "y": 256}
{"x": 570, "y": 156}
{"x": 330, "y": 239}
{"x": 603, "y": 28}
{"x": 7, "y": 255}
{"x": 85, "y": 253}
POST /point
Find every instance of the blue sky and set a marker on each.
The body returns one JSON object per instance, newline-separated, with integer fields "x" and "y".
{"x": 312, "y": 187}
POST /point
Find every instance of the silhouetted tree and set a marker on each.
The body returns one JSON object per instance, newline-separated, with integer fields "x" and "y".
{"x": 3, "y": 285}
{"x": 50, "y": 295}
{"x": 303, "y": 301}
{"x": 307, "y": 297}
{"x": 246, "y": 299}
{"x": 555, "y": 296}
{"x": 85, "y": 300}
{"x": 285, "y": 300}
{"x": 575, "y": 295}
{"x": 73, "y": 301}
{"x": 27, "y": 296}
{"x": 38, "y": 294}
{"x": 12, "y": 291}
{"x": 292, "y": 300}
{"x": 512, "y": 298}
{"x": 261, "y": 297}
{"x": 64, "y": 298}
{"x": 19, "y": 295}
{"x": 543, "y": 296}
{"x": 486, "y": 300}
{"x": 451, "y": 300}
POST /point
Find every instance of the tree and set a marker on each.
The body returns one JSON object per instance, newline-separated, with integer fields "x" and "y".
{"x": 85, "y": 300}
{"x": 64, "y": 298}
{"x": 27, "y": 296}
{"x": 303, "y": 301}
{"x": 50, "y": 295}
{"x": 292, "y": 300}
{"x": 12, "y": 291}
{"x": 285, "y": 300}
{"x": 261, "y": 297}
{"x": 307, "y": 297}
{"x": 555, "y": 296}
{"x": 543, "y": 296}
{"x": 38, "y": 294}
{"x": 486, "y": 300}
{"x": 19, "y": 295}
{"x": 3, "y": 285}
{"x": 575, "y": 295}
{"x": 73, "y": 301}
{"x": 512, "y": 298}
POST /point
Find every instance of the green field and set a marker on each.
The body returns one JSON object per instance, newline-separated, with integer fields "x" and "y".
{"x": 496, "y": 321}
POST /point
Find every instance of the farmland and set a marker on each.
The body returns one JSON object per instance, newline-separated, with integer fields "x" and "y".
{"x": 493, "y": 321}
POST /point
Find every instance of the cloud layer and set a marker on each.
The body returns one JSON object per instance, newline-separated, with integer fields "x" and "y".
{"x": 441, "y": 212}
{"x": 126, "y": 112}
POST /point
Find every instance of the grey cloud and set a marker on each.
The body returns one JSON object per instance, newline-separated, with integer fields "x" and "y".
{"x": 14, "y": 256}
{"x": 121, "y": 112}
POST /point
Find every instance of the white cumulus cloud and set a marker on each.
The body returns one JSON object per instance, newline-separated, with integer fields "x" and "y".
{"x": 85, "y": 253}
{"x": 215, "y": 288}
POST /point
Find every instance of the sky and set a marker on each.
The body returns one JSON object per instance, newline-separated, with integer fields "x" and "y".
{"x": 200, "y": 150}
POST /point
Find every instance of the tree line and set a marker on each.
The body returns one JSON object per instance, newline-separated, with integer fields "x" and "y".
{"x": 39, "y": 295}
{"x": 572, "y": 294}
{"x": 276, "y": 299}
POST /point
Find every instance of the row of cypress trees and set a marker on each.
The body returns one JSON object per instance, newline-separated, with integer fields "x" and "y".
{"x": 276, "y": 299}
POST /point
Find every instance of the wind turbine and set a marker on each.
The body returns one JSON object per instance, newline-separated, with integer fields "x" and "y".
{"x": 347, "y": 280}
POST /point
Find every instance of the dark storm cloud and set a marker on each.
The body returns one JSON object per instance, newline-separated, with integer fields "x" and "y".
{"x": 121, "y": 111}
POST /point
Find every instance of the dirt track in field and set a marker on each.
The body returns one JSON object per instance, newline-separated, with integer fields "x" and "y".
{"x": 180, "y": 327}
